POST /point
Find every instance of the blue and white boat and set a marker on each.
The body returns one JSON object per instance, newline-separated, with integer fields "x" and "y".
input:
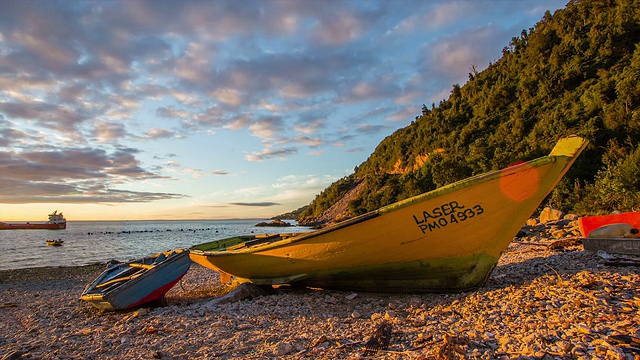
{"x": 137, "y": 282}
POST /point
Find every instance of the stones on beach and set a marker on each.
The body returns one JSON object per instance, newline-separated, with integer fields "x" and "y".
{"x": 541, "y": 302}
{"x": 13, "y": 355}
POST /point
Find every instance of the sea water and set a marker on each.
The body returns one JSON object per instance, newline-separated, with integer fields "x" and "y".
{"x": 89, "y": 242}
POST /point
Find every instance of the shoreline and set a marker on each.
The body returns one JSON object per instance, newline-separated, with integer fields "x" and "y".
{"x": 544, "y": 300}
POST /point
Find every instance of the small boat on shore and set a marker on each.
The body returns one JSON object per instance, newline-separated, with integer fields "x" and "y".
{"x": 445, "y": 240}
{"x": 55, "y": 242}
{"x": 56, "y": 222}
{"x": 137, "y": 282}
{"x": 589, "y": 223}
{"x": 613, "y": 233}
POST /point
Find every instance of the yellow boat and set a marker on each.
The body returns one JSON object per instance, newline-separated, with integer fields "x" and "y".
{"x": 448, "y": 239}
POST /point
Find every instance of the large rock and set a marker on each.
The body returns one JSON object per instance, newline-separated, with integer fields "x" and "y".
{"x": 549, "y": 214}
{"x": 275, "y": 223}
{"x": 244, "y": 291}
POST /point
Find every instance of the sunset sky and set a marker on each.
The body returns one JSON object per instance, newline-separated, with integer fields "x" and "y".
{"x": 135, "y": 110}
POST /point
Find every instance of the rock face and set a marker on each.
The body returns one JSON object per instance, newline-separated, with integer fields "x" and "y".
{"x": 336, "y": 213}
{"x": 274, "y": 223}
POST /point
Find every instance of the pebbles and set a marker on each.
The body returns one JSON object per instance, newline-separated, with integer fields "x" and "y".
{"x": 541, "y": 302}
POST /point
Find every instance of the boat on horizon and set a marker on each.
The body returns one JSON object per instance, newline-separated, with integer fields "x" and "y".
{"x": 56, "y": 222}
{"x": 445, "y": 240}
{"x": 137, "y": 282}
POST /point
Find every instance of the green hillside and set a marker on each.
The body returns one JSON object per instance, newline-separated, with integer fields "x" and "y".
{"x": 576, "y": 72}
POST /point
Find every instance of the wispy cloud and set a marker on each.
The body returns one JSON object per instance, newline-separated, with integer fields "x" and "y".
{"x": 280, "y": 153}
{"x": 258, "y": 204}
{"x": 74, "y": 176}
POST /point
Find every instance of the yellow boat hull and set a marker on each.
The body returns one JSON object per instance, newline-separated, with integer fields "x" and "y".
{"x": 449, "y": 239}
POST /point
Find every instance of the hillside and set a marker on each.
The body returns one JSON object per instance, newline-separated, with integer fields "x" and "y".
{"x": 576, "y": 72}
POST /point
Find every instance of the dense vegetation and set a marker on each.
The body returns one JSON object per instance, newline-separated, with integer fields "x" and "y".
{"x": 576, "y": 72}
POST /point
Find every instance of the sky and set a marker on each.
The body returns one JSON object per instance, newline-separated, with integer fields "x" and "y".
{"x": 163, "y": 110}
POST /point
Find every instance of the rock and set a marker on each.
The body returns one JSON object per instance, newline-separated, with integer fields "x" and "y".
{"x": 549, "y": 214}
{"x": 141, "y": 312}
{"x": 283, "y": 349}
{"x": 242, "y": 292}
{"x": 319, "y": 341}
{"x": 389, "y": 314}
{"x": 351, "y": 296}
{"x": 571, "y": 217}
{"x": 274, "y": 223}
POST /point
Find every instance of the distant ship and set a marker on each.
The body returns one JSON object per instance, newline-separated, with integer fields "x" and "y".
{"x": 56, "y": 222}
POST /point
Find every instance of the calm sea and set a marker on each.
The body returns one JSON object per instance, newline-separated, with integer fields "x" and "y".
{"x": 97, "y": 242}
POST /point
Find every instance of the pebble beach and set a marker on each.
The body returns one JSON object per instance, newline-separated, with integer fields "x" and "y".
{"x": 548, "y": 298}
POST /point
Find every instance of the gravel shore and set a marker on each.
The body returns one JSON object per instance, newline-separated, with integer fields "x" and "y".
{"x": 547, "y": 299}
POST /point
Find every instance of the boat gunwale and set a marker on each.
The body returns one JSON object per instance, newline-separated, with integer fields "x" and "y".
{"x": 458, "y": 185}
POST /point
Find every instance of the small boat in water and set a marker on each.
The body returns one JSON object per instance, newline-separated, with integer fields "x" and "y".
{"x": 55, "y": 242}
{"x": 56, "y": 222}
{"x": 449, "y": 239}
{"x": 137, "y": 282}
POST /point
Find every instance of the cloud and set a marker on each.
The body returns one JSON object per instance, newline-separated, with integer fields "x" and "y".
{"x": 74, "y": 176}
{"x": 311, "y": 142}
{"x": 108, "y": 132}
{"x": 341, "y": 28}
{"x": 406, "y": 113}
{"x": 11, "y": 137}
{"x": 154, "y": 134}
{"x": 310, "y": 125}
{"x": 268, "y": 128}
{"x": 438, "y": 16}
{"x": 197, "y": 173}
{"x": 280, "y": 153}
{"x": 369, "y": 129}
{"x": 260, "y": 204}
